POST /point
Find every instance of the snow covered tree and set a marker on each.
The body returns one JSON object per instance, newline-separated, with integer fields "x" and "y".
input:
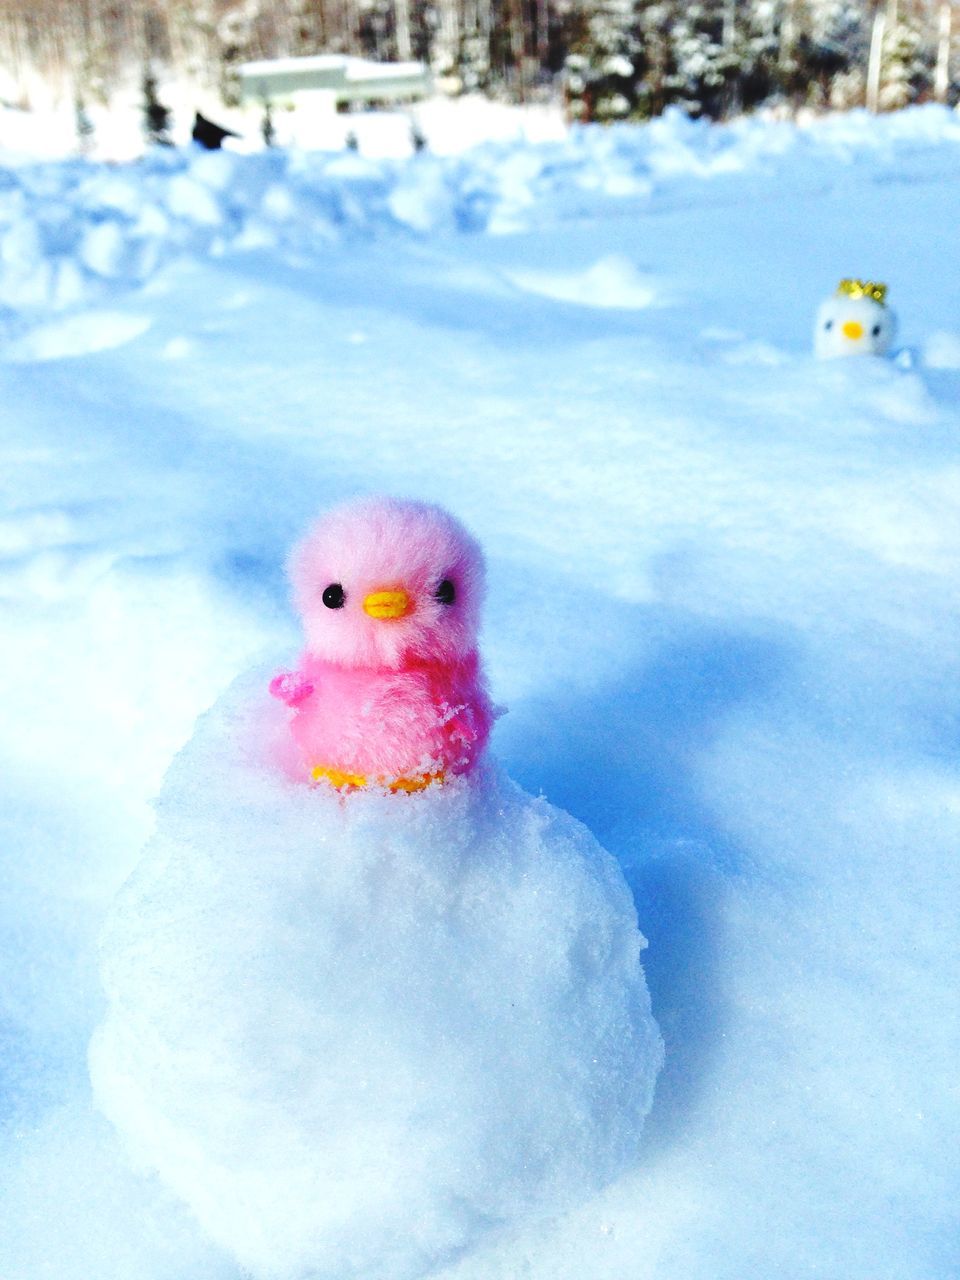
{"x": 605, "y": 65}
{"x": 906, "y": 68}
{"x": 655, "y": 34}
{"x": 704, "y": 59}
{"x": 833, "y": 65}
{"x": 615, "y": 56}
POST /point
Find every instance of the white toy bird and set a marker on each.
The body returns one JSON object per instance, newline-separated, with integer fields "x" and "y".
{"x": 855, "y": 321}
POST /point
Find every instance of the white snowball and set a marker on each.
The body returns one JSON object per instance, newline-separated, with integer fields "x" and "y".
{"x": 189, "y": 199}
{"x": 355, "y": 1033}
{"x": 152, "y": 222}
{"x": 278, "y": 203}
{"x": 421, "y": 198}
{"x": 942, "y": 350}
{"x": 20, "y": 245}
{"x": 108, "y": 191}
{"x": 215, "y": 169}
{"x": 103, "y": 249}
{"x": 69, "y": 287}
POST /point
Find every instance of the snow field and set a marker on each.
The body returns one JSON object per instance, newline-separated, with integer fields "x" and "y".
{"x": 723, "y": 614}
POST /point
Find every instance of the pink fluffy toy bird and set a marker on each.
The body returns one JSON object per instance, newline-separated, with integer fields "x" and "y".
{"x": 389, "y": 692}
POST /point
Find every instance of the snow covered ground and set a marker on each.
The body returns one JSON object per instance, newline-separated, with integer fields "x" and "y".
{"x": 723, "y": 614}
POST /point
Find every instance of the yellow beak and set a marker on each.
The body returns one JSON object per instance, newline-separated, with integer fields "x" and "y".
{"x": 387, "y": 604}
{"x": 853, "y": 330}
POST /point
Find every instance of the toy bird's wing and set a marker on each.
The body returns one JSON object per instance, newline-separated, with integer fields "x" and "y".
{"x": 291, "y": 687}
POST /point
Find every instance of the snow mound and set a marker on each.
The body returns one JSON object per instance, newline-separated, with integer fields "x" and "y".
{"x": 77, "y": 335}
{"x": 355, "y": 1034}
{"x": 612, "y": 282}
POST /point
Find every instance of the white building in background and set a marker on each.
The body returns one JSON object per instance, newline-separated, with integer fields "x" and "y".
{"x": 337, "y": 78}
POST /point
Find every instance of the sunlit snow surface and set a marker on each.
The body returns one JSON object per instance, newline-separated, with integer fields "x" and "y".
{"x": 723, "y": 613}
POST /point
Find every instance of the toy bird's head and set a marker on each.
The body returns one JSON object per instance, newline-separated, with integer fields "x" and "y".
{"x": 382, "y": 582}
{"x": 855, "y": 321}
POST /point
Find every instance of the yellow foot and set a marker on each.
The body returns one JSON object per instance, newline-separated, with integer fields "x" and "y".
{"x": 415, "y": 784}
{"x": 336, "y": 778}
{"x": 351, "y": 781}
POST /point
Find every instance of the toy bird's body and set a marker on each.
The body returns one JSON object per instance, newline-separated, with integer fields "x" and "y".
{"x": 399, "y": 728}
{"x": 389, "y": 691}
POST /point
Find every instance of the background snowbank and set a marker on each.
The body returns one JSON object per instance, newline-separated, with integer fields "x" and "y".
{"x": 73, "y": 232}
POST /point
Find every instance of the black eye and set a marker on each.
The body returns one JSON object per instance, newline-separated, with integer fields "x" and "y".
{"x": 446, "y": 592}
{"x": 828, "y": 325}
{"x": 333, "y": 596}
{"x": 876, "y": 331}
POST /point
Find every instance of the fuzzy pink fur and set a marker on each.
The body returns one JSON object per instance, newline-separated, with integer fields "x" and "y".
{"x": 388, "y": 698}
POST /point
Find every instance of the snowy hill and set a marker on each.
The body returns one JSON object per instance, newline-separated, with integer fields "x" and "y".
{"x": 723, "y": 614}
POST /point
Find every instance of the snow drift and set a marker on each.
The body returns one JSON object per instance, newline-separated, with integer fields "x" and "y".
{"x": 73, "y": 233}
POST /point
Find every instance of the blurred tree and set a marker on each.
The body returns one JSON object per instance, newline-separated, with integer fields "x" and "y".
{"x": 833, "y": 59}
{"x": 941, "y": 81}
{"x": 906, "y": 66}
{"x": 267, "y": 128}
{"x": 156, "y": 117}
{"x": 84, "y": 125}
{"x": 699, "y": 63}
{"x": 605, "y": 66}
{"x": 616, "y": 58}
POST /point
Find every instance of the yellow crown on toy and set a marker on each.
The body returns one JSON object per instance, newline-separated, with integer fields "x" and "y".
{"x": 863, "y": 289}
